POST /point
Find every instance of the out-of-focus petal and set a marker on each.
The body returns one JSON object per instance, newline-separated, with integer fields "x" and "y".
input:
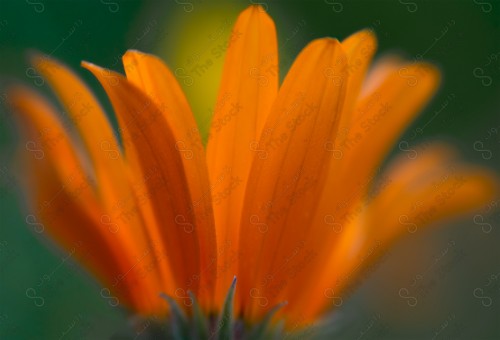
{"x": 64, "y": 201}
{"x": 356, "y": 155}
{"x": 115, "y": 189}
{"x": 359, "y": 48}
{"x": 419, "y": 193}
{"x": 94, "y": 128}
{"x": 379, "y": 71}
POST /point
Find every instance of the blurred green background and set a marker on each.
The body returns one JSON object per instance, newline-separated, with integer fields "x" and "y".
{"x": 186, "y": 33}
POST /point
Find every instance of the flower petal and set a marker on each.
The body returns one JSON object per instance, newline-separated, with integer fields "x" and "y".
{"x": 448, "y": 190}
{"x": 248, "y": 88}
{"x": 154, "y": 78}
{"x": 349, "y": 229}
{"x": 381, "y": 118}
{"x": 435, "y": 190}
{"x": 90, "y": 120}
{"x": 384, "y": 116}
{"x": 116, "y": 191}
{"x": 356, "y": 155}
{"x": 289, "y": 170}
{"x": 379, "y": 72}
{"x": 359, "y": 48}
{"x": 63, "y": 198}
{"x": 160, "y": 163}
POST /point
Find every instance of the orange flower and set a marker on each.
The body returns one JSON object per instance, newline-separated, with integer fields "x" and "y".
{"x": 284, "y": 196}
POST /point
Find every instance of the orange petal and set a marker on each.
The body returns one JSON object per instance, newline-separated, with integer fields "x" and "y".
{"x": 149, "y": 138}
{"x": 436, "y": 194}
{"x": 411, "y": 201}
{"x": 289, "y": 171}
{"x": 63, "y": 198}
{"x": 381, "y": 119}
{"x": 379, "y": 72}
{"x": 355, "y": 158}
{"x": 359, "y": 48}
{"x": 153, "y": 77}
{"x": 114, "y": 187}
{"x": 248, "y": 88}
{"x": 90, "y": 120}
{"x": 427, "y": 160}
{"x": 384, "y": 116}
{"x": 347, "y": 239}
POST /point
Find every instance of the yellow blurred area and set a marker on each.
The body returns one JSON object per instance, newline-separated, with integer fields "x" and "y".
{"x": 201, "y": 34}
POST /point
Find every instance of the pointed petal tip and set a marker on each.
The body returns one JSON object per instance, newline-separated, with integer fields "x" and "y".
{"x": 256, "y": 8}
{"x": 369, "y": 32}
{"x": 133, "y": 56}
{"x": 93, "y": 68}
{"x": 330, "y": 40}
{"x": 41, "y": 61}
{"x": 366, "y": 36}
{"x": 16, "y": 93}
{"x": 257, "y": 12}
{"x": 326, "y": 45}
{"x": 134, "y": 52}
{"x": 434, "y": 71}
{"x": 88, "y": 65}
{"x": 327, "y": 42}
{"x": 45, "y": 64}
{"x": 35, "y": 56}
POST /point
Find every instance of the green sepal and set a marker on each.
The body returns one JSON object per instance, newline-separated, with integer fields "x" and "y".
{"x": 178, "y": 322}
{"x": 199, "y": 320}
{"x": 224, "y": 324}
{"x": 261, "y": 329}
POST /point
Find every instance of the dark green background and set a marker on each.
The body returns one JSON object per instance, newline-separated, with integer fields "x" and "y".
{"x": 407, "y": 27}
